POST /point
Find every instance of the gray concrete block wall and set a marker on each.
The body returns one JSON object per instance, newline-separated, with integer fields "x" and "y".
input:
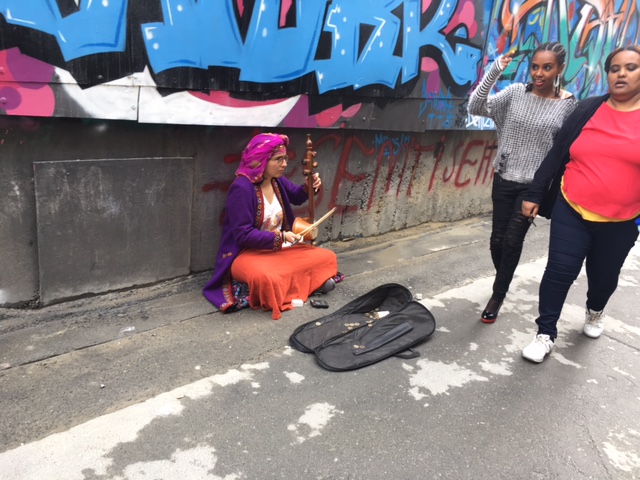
{"x": 110, "y": 224}
{"x": 166, "y": 187}
{"x": 18, "y": 239}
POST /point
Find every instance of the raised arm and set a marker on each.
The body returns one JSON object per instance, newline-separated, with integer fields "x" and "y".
{"x": 480, "y": 102}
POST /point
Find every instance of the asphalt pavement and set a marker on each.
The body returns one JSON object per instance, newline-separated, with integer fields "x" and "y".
{"x": 154, "y": 383}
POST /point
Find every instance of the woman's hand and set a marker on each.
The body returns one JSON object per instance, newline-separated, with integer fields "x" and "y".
{"x": 316, "y": 182}
{"x": 291, "y": 237}
{"x": 506, "y": 59}
{"x": 530, "y": 209}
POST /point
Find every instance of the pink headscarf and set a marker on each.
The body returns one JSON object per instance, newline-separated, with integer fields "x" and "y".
{"x": 258, "y": 152}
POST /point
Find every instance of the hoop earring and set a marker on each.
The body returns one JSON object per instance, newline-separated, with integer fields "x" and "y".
{"x": 556, "y": 85}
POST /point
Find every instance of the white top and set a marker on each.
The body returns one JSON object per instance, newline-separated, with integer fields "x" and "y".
{"x": 273, "y": 215}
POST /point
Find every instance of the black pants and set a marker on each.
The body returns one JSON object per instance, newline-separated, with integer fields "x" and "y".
{"x": 605, "y": 247}
{"x": 507, "y": 233}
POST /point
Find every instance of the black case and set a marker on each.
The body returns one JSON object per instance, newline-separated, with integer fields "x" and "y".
{"x": 352, "y": 337}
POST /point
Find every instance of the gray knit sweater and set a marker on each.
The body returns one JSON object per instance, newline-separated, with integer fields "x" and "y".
{"x": 526, "y": 124}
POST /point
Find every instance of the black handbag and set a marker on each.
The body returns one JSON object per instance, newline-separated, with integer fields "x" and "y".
{"x": 383, "y": 322}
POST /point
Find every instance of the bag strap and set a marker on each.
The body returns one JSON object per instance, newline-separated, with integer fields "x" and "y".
{"x": 407, "y": 354}
{"x": 390, "y": 336}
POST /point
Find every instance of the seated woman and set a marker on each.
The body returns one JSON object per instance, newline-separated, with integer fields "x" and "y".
{"x": 256, "y": 248}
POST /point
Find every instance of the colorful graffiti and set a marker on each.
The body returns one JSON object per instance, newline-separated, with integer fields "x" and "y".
{"x": 403, "y": 65}
{"x": 191, "y": 32}
{"x": 589, "y": 30}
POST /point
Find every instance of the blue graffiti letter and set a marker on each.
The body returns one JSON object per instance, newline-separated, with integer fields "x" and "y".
{"x": 97, "y": 27}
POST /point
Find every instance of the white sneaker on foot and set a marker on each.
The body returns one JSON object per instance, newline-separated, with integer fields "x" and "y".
{"x": 538, "y": 349}
{"x": 593, "y": 326}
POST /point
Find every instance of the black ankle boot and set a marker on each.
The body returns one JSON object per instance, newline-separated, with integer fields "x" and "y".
{"x": 329, "y": 285}
{"x": 489, "y": 316}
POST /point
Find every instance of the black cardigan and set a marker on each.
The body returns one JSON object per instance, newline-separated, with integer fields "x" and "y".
{"x": 545, "y": 186}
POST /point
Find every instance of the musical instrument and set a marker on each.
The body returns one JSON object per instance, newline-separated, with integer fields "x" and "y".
{"x": 311, "y": 228}
{"x": 307, "y": 227}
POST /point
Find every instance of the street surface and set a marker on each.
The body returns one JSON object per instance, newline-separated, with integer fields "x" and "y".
{"x": 153, "y": 383}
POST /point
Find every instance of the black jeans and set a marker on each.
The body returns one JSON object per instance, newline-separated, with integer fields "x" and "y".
{"x": 507, "y": 233}
{"x": 605, "y": 245}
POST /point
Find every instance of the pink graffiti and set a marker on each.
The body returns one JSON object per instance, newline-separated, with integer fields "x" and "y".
{"x": 24, "y": 85}
{"x": 331, "y": 116}
{"x": 285, "y": 6}
{"x": 284, "y": 10}
{"x": 225, "y": 99}
{"x": 299, "y": 117}
{"x": 465, "y": 15}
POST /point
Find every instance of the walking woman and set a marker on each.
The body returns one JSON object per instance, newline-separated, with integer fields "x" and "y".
{"x": 594, "y": 173}
{"x": 527, "y": 118}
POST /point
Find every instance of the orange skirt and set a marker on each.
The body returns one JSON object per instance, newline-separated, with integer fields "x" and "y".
{"x": 276, "y": 278}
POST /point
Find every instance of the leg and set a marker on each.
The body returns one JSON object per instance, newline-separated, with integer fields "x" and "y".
{"x": 611, "y": 245}
{"x": 569, "y": 242}
{"x": 507, "y": 237}
{"x": 502, "y": 206}
{"x": 275, "y": 278}
{"x": 511, "y": 251}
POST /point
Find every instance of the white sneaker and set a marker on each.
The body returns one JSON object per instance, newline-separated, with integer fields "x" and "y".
{"x": 538, "y": 349}
{"x": 593, "y": 326}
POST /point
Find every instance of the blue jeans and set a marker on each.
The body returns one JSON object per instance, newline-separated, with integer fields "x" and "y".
{"x": 605, "y": 245}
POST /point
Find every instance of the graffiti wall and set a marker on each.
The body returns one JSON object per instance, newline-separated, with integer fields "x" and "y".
{"x": 401, "y": 65}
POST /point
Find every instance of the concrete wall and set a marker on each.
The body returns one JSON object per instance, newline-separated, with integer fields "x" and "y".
{"x": 93, "y": 206}
{"x": 109, "y": 224}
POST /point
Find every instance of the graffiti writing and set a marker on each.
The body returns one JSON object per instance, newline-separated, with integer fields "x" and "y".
{"x": 95, "y": 27}
{"x": 292, "y": 63}
{"x": 394, "y": 163}
{"x": 480, "y": 123}
{"x": 397, "y": 142}
{"x": 361, "y": 36}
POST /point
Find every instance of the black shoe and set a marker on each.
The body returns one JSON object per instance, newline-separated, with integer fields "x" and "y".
{"x": 489, "y": 316}
{"x": 329, "y": 285}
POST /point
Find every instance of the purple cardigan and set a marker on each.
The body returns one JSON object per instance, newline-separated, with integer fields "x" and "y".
{"x": 244, "y": 213}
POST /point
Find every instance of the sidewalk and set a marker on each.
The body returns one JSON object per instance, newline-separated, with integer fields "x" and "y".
{"x": 192, "y": 393}
{"x": 148, "y": 340}
{"x": 28, "y": 336}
